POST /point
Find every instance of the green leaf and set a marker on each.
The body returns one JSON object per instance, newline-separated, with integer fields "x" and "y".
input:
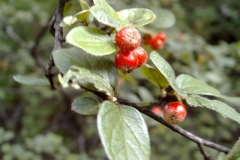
{"x": 102, "y": 66}
{"x": 68, "y": 21}
{"x": 84, "y": 5}
{"x": 123, "y": 132}
{"x": 67, "y": 8}
{"x": 103, "y": 16}
{"x": 165, "y": 18}
{"x": 109, "y": 10}
{"x": 234, "y": 154}
{"x": 31, "y": 80}
{"x": 218, "y": 106}
{"x": 92, "y": 40}
{"x": 193, "y": 86}
{"x": 85, "y": 105}
{"x": 135, "y": 17}
{"x": 154, "y": 76}
{"x": 164, "y": 67}
{"x": 233, "y": 100}
{"x": 78, "y": 77}
{"x": 82, "y": 15}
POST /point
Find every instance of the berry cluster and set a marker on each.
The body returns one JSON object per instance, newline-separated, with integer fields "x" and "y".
{"x": 131, "y": 55}
{"x": 156, "y": 42}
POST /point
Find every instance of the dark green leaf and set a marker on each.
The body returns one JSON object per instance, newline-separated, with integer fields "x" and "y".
{"x": 92, "y": 40}
{"x": 31, "y": 80}
{"x": 164, "y": 67}
{"x": 218, "y": 106}
{"x": 123, "y": 132}
{"x": 85, "y": 105}
{"x": 103, "y": 16}
{"x": 234, "y": 154}
{"x": 102, "y": 66}
{"x": 193, "y": 86}
{"x": 135, "y": 17}
{"x": 153, "y": 75}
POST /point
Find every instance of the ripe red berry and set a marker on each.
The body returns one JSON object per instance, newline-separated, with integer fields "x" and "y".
{"x": 156, "y": 43}
{"x": 174, "y": 112}
{"x": 126, "y": 61}
{"x": 161, "y": 36}
{"x": 128, "y": 38}
{"x": 156, "y": 110}
{"x": 141, "y": 56}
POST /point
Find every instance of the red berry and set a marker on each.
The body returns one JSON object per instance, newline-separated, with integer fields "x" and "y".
{"x": 126, "y": 61}
{"x": 156, "y": 110}
{"x": 174, "y": 112}
{"x": 141, "y": 56}
{"x": 161, "y": 36}
{"x": 156, "y": 43}
{"x": 128, "y": 38}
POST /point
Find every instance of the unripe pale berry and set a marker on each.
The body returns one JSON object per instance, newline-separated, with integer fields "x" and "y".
{"x": 141, "y": 56}
{"x": 126, "y": 61}
{"x": 128, "y": 38}
{"x": 174, "y": 112}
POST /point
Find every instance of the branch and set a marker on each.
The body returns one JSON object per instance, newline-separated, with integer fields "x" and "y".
{"x": 58, "y": 34}
{"x": 177, "y": 129}
{"x": 204, "y": 153}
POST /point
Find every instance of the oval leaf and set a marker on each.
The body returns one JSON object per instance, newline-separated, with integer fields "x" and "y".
{"x": 220, "y": 107}
{"x": 33, "y": 81}
{"x": 92, "y": 40}
{"x": 85, "y": 105}
{"x": 165, "y": 18}
{"x": 84, "y": 5}
{"x": 164, "y": 67}
{"x": 123, "y": 132}
{"x": 194, "y": 86}
{"x": 154, "y": 76}
{"x": 103, "y": 17}
{"x": 102, "y": 66}
{"x": 135, "y": 17}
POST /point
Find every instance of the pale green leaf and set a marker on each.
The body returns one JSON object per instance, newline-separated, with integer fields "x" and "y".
{"x": 164, "y": 67}
{"x": 103, "y": 4}
{"x": 193, "y": 86}
{"x": 82, "y": 15}
{"x": 84, "y": 5}
{"x": 123, "y": 132}
{"x": 103, "y": 16}
{"x": 234, "y": 154}
{"x": 68, "y": 21}
{"x": 135, "y": 17}
{"x": 102, "y": 66}
{"x": 153, "y": 75}
{"x": 85, "y": 105}
{"x": 34, "y": 81}
{"x": 165, "y": 18}
{"x": 218, "y": 106}
{"x": 92, "y": 40}
{"x": 83, "y": 77}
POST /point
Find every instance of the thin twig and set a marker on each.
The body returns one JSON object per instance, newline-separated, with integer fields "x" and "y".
{"x": 204, "y": 153}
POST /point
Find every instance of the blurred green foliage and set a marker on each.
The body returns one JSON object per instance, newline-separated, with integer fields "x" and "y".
{"x": 37, "y": 123}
